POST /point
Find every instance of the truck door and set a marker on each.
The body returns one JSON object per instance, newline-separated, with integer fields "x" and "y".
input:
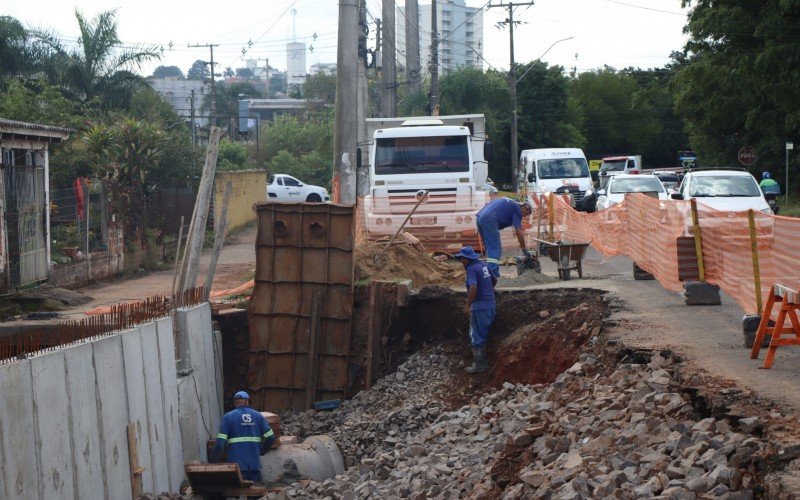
{"x": 292, "y": 187}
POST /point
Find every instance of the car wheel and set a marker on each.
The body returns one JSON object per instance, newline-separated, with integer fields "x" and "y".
{"x": 313, "y": 198}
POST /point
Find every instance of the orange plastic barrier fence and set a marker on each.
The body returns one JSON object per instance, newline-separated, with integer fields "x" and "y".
{"x": 650, "y": 232}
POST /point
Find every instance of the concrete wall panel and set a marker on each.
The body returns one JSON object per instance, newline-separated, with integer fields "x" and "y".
{"x": 212, "y": 359}
{"x": 113, "y": 406}
{"x": 194, "y": 395}
{"x": 83, "y": 416}
{"x": 18, "y": 470}
{"x": 137, "y": 400}
{"x": 169, "y": 378}
{"x": 155, "y": 407}
{"x": 52, "y": 423}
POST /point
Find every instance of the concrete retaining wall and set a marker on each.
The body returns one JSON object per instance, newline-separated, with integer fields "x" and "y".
{"x": 248, "y": 188}
{"x": 64, "y": 414}
{"x": 101, "y": 265}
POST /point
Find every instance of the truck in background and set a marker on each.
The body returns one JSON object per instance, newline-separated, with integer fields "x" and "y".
{"x": 613, "y": 165}
{"x": 558, "y": 170}
{"x": 445, "y": 156}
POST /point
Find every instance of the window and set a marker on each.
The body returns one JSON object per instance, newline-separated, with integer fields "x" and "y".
{"x": 421, "y": 155}
{"x": 565, "y": 168}
{"x": 280, "y": 181}
{"x": 639, "y": 185}
{"x": 290, "y": 182}
{"x": 724, "y": 186}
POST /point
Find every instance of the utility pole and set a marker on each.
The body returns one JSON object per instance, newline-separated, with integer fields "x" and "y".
{"x": 190, "y": 99}
{"x": 345, "y": 119}
{"x": 389, "y": 74}
{"x": 412, "y": 46}
{"x": 434, "y": 99}
{"x": 512, "y": 83}
{"x": 362, "y": 175}
{"x": 378, "y": 66}
{"x": 213, "y": 78}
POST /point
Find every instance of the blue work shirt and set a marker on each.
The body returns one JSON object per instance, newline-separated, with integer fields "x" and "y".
{"x": 479, "y": 275}
{"x": 506, "y": 212}
{"x": 245, "y": 431}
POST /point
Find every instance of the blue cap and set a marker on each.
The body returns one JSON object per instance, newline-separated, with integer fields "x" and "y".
{"x": 468, "y": 253}
{"x": 241, "y": 395}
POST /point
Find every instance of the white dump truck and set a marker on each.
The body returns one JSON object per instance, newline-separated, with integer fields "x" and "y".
{"x": 443, "y": 156}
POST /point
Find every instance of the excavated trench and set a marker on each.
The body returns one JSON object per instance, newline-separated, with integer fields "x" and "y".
{"x": 536, "y": 335}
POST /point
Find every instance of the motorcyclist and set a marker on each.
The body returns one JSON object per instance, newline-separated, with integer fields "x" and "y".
{"x": 768, "y": 184}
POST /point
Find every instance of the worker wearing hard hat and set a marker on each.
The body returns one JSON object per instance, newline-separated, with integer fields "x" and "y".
{"x": 480, "y": 306}
{"x": 495, "y": 216}
{"x": 247, "y": 436}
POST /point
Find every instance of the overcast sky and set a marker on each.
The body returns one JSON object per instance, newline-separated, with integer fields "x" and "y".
{"x": 617, "y": 33}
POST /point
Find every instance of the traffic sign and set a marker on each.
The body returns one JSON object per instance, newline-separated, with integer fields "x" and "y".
{"x": 747, "y": 156}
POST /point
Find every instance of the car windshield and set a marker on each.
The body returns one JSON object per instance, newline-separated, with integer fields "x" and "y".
{"x": 421, "y": 155}
{"x": 563, "y": 168}
{"x": 724, "y": 185}
{"x": 613, "y": 166}
{"x": 638, "y": 185}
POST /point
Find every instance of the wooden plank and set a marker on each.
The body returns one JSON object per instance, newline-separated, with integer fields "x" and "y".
{"x": 133, "y": 457}
{"x": 374, "y": 331}
{"x": 252, "y": 491}
{"x": 214, "y": 478}
{"x": 313, "y": 351}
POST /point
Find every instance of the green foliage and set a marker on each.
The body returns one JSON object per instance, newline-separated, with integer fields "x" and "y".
{"x": 320, "y": 86}
{"x": 36, "y": 101}
{"x": 168, "y": 72}
{"x": 231, "y": 156}
{"x": 198, "y": 71}
{"x": 301, "y": 149}
{"x": 15, "y": 49}
{"x": 228, "y": 96}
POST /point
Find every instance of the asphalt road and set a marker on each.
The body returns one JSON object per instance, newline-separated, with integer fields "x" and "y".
{"x": 646, "y": 315}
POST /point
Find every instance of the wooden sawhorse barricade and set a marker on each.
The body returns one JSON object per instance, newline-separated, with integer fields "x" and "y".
{"x": 788, "y": 301}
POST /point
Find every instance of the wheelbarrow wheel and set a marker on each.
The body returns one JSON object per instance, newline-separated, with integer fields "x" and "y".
{"x": 563, "y": 268}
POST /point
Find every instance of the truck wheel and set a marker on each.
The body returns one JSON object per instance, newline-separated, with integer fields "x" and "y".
{"x": 313, "y": 198}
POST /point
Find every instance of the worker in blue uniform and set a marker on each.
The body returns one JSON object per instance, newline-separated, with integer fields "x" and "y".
{"x": 496, "y": 216}
{"x": 247, "y": 436}
{"x": 480, "y": 306}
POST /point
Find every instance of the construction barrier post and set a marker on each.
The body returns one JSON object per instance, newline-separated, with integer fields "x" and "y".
{"x": 551, "y": 216}
{"x": 754, "y": 251}
{"x": 698, "y": 242}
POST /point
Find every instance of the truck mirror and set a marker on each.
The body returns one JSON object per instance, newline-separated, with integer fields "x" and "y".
{"x": 488, "y": 150}
{"x": 358, "y": 157}
{"x": 531, "y": 177}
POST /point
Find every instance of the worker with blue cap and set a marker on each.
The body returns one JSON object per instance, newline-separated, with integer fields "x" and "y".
{"x": 247, "y": 436}
{"x": 480, "y": 306}
{"x": 496, "y": 216}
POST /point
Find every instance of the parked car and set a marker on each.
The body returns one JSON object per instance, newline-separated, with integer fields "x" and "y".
{"x": 726, "y": 190}
{"x": 670, "y": 180}
{"x": 621, "y": 184}
{"x": 282, "y": 187}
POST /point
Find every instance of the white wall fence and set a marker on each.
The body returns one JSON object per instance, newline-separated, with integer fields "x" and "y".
{"x": 64, "y": 414}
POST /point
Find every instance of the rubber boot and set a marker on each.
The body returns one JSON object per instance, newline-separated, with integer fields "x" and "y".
{"x": 479, "y": 360}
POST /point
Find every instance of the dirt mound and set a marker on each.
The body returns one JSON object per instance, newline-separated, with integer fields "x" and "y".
{"x": 528, "y": 278}
{"x": 404, "y": 262}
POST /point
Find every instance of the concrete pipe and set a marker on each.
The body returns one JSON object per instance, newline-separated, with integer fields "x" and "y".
{"x": 317, "y": 458}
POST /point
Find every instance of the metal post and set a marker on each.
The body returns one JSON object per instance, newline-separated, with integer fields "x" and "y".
{"x": 789, "y": 145}
{"x": 698, "y": 242}
{"x": 754, "y": 251}
{"x": 434, "y": 99}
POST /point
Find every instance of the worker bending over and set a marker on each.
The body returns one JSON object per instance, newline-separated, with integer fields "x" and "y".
{"x": 247, "y": 436}
{"x": 480, "y": 306}
{"x": 495, "y": 216}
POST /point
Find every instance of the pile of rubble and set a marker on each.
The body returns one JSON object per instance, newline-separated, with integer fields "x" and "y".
{"x": 595, "y": 432}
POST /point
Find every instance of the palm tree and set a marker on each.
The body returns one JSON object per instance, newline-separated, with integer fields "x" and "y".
{"x": 99, "y": 69}
{"x": 15, "y": 50}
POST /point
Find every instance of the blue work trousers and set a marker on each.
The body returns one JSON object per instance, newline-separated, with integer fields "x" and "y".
{"x": 252, "y": 475}
{"x": 479, "y": 323}
{"x": 490, "y": 236}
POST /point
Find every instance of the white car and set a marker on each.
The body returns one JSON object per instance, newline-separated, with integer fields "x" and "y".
{"x": 282, "y": 187}
{"x": 621, "y": 184}
{"x": 725, "y": 190}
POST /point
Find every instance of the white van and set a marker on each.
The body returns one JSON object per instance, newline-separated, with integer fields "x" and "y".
{"x": 558, "y": 170}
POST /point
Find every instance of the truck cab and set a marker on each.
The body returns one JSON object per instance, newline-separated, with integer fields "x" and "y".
{"x": 558, "y": 170}
{"x": 613, "y": 165}
{"x": 442, "y": 156}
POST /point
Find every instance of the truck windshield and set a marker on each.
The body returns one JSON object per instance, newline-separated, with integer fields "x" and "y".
{"x": 563, "y": 168}
{"x": 613, "y": 166}
{"x": 421, "y": 155}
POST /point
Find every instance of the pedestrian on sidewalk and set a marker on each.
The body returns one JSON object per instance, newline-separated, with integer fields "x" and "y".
{"x": 496, "y": 216}
{"x": 480, "y": 305}
{"x": 247, "y": 436}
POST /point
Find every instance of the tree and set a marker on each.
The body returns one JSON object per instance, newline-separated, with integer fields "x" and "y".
{"x": 15, "y": 50}
{"x": 98, "y": 69}
{"x": 228, "y": 96}
{"x": 231, "y": 156}
{"x": 320, "y": 86}
{"x": 737, "y": 84}
{"x": 198, "y": 71}
{"x": 168, "y": 72}
{"x": 245, "y": 72}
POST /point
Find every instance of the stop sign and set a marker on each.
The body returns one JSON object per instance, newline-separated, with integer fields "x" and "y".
{"x": 747, "y": 156}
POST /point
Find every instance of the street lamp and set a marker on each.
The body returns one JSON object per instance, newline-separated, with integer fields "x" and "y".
{"x": 789, "y": 145}
{"x": 514, "y": 81}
